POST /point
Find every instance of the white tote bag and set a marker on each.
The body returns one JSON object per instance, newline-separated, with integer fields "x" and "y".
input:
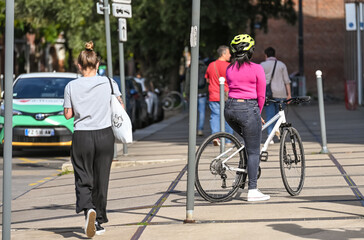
{"x": 120, "y": 121}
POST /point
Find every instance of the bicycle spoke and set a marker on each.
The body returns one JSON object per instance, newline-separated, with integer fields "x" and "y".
{"x": 214, "y": 180}
{"x": 292, "y": 161}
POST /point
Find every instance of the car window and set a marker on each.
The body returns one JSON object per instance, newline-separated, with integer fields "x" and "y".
{"x": 50, "y": 87}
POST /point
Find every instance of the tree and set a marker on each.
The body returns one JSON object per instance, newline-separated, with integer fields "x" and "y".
{"x": 158, "y": 31}
{"x": 77, "y": 19}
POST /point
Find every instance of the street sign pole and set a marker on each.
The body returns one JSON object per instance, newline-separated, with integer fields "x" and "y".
{"x": 194, "y": 41}
{"x": 8, "y": 123}
{"x": 122, "y": 37}
{"x": 122, "y": 9}
{"x": 108, "y": 52}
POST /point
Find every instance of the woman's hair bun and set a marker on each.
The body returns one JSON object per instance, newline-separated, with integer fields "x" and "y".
{"x": 89, "y": 46}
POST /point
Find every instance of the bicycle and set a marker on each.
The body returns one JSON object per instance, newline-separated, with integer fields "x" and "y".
{"x": 221, "y": 168}
{"x": 173, "y": 100}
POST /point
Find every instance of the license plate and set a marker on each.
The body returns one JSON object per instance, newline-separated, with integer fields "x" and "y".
{"x": 39, "y": 132}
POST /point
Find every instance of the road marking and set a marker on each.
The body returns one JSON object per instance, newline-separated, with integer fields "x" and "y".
{"x": 26, "y": 160}
{"x": 341, "y": 169}
{"x": 43, "y": 180}
{"x": 148, "y": 218}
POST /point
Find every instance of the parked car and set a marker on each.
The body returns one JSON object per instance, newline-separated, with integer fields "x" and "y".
{"x": 38, "y": 119}
{"x": 136, "y": 106}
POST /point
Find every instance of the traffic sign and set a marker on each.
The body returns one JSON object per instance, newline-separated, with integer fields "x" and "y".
{"x": 122, "y": 30}
{"x": 122, "y": 1}
{"x": 121, "y": 10}
{"x": 100, "y": 8}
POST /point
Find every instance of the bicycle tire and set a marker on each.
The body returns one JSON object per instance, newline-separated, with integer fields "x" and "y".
{"x": 214, "y": 182}
{"x": 292, "y": 161}
{"x": 172, "y": 101}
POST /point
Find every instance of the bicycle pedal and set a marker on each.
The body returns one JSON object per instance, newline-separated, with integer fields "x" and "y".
{"x": 264, "y": 156}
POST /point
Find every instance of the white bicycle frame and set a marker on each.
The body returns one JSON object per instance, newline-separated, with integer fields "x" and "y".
{"x": 281, "y": 118}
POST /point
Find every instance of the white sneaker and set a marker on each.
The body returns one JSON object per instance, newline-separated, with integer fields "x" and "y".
{"x": 278, "y": 134}
{"x": 90, "y": 228}
{"x": 271, "y": 142}
{"x": 256, "y": 195}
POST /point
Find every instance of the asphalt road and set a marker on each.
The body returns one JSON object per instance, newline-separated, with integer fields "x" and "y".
{"x": 30, "y": 168}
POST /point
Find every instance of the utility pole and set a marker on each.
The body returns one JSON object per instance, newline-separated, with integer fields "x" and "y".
{"x": 108, "y": 51}
{"x": 8, "y": 122}
{"x": 194, "y": 41}
{"x": 300, "y": 38}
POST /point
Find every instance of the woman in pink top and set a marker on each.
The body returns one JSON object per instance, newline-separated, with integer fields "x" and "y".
{"x": 246, "y": 82}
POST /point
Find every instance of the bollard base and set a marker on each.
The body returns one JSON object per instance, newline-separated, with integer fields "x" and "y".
{"x": 324, "y": 150}
{"x": 189, "y": 217}
{"x": 189, "y": 221}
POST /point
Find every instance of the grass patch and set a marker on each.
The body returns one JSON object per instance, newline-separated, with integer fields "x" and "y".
{"x": 65, "y": 172}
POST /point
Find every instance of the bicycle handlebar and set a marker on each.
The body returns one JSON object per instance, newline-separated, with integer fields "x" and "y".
{"x": 294, "y": 100}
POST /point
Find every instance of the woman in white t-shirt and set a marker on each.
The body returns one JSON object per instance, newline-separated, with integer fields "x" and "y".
{"x": 87, "y": 99}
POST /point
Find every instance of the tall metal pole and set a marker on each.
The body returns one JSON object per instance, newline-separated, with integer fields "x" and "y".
{"x": 358, "y": 44}
{"x": 108, "y": 38}
{"x": 122, "y": 82}
{"x": 8, "y": 123}
{"x": 322, "y": 111}
{"x": 194, "y": 40}
{"x": 108, "y": 50}
{"x": 300, "y": 38}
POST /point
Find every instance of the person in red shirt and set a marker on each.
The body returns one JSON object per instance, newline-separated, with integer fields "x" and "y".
{"x": 215, "y": 70}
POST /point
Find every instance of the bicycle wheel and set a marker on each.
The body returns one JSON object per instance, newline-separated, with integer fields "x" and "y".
{"x": 292, "y": 161}
{"x": 173, "y": 101}
{"x": 217, "y": 182}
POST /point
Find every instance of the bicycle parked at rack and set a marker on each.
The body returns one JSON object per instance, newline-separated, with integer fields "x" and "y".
{"x": 172, "y": 100}
{"x": 221, "y": 170}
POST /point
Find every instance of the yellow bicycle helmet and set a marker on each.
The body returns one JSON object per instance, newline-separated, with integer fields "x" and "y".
{"x": 242, "y": 43}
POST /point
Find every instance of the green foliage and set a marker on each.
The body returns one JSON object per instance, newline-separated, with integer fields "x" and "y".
{"x": 157, "y": 32}
{"x": 76, "y": 18}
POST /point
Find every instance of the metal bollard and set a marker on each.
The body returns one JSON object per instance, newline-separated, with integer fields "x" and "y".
{"x": 222, "y": 107}
{"x": 322, "y": 111}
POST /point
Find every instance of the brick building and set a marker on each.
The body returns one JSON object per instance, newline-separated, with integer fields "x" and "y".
{"x": 323, "y": 44}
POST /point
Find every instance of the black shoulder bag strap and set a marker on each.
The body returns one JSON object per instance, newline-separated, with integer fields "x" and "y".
{"x": 274, "y": 69}
{"x": 112, "y": 89}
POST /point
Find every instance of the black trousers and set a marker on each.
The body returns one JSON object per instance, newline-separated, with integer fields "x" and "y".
{"x": 91, "y": 154}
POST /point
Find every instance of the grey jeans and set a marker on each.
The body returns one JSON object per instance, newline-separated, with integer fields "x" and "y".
{"x": 244, "y": 118}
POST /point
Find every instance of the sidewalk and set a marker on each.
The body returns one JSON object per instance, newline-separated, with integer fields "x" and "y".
{"x": 147, "y": 193}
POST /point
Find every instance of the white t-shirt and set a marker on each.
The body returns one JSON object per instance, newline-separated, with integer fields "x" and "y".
{"x": 89, "y": 98}
{"x": 280, "y": 77}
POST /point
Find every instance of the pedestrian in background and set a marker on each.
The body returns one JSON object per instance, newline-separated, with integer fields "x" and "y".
{"x": 280, "y": 84}
{"x": 215, "y": 70}
{"x": 87, "y": 99}
{"x": 202, "y": 94}
{"x": 247, "y": 84}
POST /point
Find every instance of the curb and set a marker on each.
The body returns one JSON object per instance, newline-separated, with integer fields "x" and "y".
{"x": 137, "y": 136}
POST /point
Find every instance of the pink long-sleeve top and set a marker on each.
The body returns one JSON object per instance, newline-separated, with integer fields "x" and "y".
{"x": 247, "y": 82}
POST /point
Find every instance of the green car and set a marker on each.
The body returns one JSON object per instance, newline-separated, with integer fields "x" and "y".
{"x": 38, "y": 119}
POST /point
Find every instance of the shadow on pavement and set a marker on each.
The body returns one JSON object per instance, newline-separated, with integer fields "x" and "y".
{"x": 75, "y": 232}
{"x": 318, "y": 233}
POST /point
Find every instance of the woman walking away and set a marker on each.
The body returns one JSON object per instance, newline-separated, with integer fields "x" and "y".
{"x": 246, "y": 82}
{"x": 87, "y": 99}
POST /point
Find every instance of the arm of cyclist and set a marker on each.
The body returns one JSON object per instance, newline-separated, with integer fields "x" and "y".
{"x": 261, "y": 84}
